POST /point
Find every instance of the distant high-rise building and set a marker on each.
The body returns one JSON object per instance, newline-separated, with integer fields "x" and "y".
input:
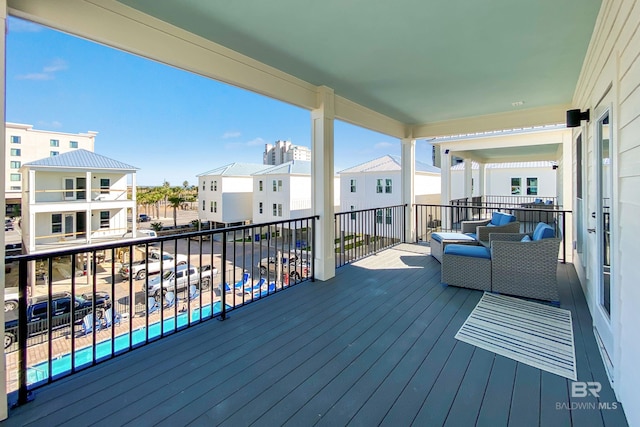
{"x": 284, "y": 151}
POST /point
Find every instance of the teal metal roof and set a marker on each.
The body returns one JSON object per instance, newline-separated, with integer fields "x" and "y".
{"x": 236, "y": 169}
{"x": 293, "y": 167}
{"x": 80, "y": 159}
{"x": 389, "y": 163}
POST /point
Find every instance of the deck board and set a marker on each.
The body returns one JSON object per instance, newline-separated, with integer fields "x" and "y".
{"x": 374, "y": 345}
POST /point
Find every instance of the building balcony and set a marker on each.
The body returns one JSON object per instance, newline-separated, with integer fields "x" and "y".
{"x": 373, "y": 345}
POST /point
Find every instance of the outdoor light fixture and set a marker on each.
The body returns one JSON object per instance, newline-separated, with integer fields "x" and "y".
{"x": 446, "y": 151}
{"x": 574, "y": 117}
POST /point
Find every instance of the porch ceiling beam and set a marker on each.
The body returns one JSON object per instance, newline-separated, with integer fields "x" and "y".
{"x": 549, "y": 115}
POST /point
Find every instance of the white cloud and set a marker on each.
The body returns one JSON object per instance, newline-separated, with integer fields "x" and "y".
{"x": 255, "y": 142}
{"x": 383, "y": 145}
{"x": 48, "y": 71}
{"x": 231, "y": 134}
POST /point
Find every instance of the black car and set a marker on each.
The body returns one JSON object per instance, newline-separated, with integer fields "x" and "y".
{"x": 144, "y": 218}
{"x": 38, "y": 313}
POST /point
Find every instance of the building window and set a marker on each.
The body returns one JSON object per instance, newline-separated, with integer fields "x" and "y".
{"x": 279, "y": 209}
{"x": 379, "y": 216}
{"x": 104, "y": 219}
{"x": 516, "y": 188}
{"x": 353, "y": 185}
{"x": 353, "y": 214}
{"x": 16, "y": 187}
{"x": 204, "y": 205}
{"x": 379, "y": 186}
{"x": 105, "y": 183}
{"x": 388, "y": 217}
{"x": 15, "y": 177}
{"x": 211, "y": 206}
{"x": 279, "y": 185}
{"x": 15, "y": 139}
{"x": 275, "y": 188}
{"x": 260, "y": 206}
{"x": 532, "y": 186}
{"x": 215, "y": 185}
{"x": 204, "y": 185}
{"x": 56, "y": 223}
{"x": 73, "y": 144}
{"x": 388, "y": 186}
{"x": 15, "y": 165}
{"x": 15, "y": 152}
{"x": 259, "y": 185}
{"x": 215, "y": 207}
{"x": 69, "y": 190}
{"x": 54, "y": 143}
{"x": 53, "y": 153}
{"x": 275, "y": 209}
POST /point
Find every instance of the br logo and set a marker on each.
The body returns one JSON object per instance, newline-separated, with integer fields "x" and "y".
{"x": 583, "y": 389}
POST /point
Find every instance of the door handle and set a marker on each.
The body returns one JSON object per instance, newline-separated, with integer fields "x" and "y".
{"x": 591, "y": 230}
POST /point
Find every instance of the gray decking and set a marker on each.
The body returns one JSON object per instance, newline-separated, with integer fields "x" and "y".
{"x": 372, "y": 346}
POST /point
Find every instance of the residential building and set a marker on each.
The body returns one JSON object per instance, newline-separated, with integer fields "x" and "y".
{"x": 77, "y": 197}
{"x": 536, "y": 180}
{"x": 284, "y": 151}
{"x": 225, "y": 194}
{"x": 25, "y": 144}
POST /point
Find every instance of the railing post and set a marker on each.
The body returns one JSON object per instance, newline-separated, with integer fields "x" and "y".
{"x": 375, "y": 230}
{"x": 313, "y": 248}
{"x": 22, "y": 333}
{"x": 564, "y": 239}
{"x": 404, "y": 223}
{"x": 223, "y": 267}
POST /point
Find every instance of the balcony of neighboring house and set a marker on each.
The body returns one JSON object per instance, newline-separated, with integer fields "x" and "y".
{"x": 378, "y": 343}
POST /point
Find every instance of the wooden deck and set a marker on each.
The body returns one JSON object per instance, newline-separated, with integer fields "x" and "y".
{"x": 375, "y": 345}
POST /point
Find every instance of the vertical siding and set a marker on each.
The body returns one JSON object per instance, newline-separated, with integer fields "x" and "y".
{"x": 614, "y": 58}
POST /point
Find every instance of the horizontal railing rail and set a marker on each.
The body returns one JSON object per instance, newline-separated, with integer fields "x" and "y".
{"x": 449, "y": 218}
{"x": 360, "y": 233}
{"x": 78, "y": 306}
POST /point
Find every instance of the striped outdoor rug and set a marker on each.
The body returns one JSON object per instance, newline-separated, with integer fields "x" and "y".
{"x": 529, "y": 332}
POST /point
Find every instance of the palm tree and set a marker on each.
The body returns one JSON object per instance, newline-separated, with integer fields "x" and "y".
{"x": 176, "y": 201}
{"x": 166, "y": 190}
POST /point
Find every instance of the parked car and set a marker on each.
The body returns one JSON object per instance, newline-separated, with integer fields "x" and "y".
{"x": 10, "y": 299}
{"x": 154, "y": 263}
{"x": 296, "y": 266}
{"x": 181, "y": 278}
{"x": 144, "y": 218}
{"x": 38, "y": 313}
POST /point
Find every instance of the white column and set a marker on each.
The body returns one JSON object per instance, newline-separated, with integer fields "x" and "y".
{"x": 322, "y": 183}
{"x": 468, "y": 176}
{"x": 134, "y": 210}
{"x": 408, "y": 164}
{"x": 3, "y": 369}
{"x": 481, "y": 180}
{"x": 445, "y": 185}
{"x": 87, "y": 215}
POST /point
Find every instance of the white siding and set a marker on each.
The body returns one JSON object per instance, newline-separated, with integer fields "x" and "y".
{"x": 613, "y": 60}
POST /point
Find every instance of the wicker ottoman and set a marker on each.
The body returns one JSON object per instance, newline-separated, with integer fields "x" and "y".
{"x": 440, "y": 240}
{"x": 467, "y": 267}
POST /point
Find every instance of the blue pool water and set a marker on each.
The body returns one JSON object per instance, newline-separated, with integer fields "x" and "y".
{"x": 84, "y": 356}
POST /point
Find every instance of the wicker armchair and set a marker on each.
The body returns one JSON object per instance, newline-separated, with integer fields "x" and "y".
{"x": 526, "y": 269}
{"x": 482, "y": 229}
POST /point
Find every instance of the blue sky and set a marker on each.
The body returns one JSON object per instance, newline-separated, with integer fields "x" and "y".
{"x": 169, "y": 123}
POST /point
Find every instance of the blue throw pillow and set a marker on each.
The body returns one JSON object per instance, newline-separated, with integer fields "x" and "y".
{"x": 543, "y": 231}
{"x": 537, "y": 201}
{"x": 496, "y": 218}
{"x": 506, "y": 219}
{"x": 526, "y": 238}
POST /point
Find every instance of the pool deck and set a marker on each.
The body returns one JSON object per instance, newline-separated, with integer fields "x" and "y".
{"x": 374, "y": 345}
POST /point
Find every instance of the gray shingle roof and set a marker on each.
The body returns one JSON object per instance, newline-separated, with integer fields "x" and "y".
{"x": 293, "y": 167}
{"x": 80, "y": 159}
{"x": 388, "y": 163}
{"x": 236, "y": 169}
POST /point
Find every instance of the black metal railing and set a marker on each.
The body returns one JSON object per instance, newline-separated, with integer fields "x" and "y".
{"x": 82, "y": 305}
{"x": 449, "y": 218}
{"x": 364, "y": 232}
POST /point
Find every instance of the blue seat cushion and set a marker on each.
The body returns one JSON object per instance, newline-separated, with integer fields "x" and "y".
{"x": 439, "y": 237}
{"x": 468, "y": 250}
{"x": 543, "y": 231}
{"x": 474, "y": 236}
{"x": 537, "y": 201}
{"x": 496, "y": 218}
{"x": 499, "y": 218}
{"x": 526, "y": 238}
{"x": 506, "y": 219}
{"x": 548, "y": 202}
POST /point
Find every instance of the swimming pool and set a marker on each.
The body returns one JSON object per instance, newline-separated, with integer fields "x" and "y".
{"x": 84, "y": 356}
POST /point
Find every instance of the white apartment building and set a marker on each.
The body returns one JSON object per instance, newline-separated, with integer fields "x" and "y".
{"x": 284, "y": 151}
{"x": 535, "y": 180}
{"x": 25, "y": 144}
{"x": 74, "y": 198}
{"x": 225, "y": 194}
{"x": 376, "y": 183}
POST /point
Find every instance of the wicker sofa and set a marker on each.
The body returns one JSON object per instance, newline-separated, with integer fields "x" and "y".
{"x": 499, "y": 223}
{"x": 510, "y": 266}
